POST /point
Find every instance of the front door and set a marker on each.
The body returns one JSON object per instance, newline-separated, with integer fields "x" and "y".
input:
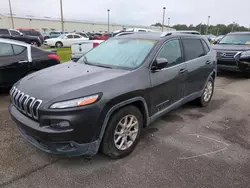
{"x": 13, "y": 63}
{"x": 168, "y": 84}
{"x": 68, "y": 41}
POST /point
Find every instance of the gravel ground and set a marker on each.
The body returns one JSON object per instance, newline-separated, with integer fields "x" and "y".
{"x": 190, "y": 147}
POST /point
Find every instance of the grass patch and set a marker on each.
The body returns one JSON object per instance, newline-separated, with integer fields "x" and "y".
{"x": 64, "y": 54}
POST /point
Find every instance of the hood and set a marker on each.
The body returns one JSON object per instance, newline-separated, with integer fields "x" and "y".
{"x": 228, "y": 47}
{"x": 58, "y": 80}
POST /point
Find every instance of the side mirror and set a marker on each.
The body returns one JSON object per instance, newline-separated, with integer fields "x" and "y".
{"x": 21, "y": 34}
{"x": 160, "y": 63}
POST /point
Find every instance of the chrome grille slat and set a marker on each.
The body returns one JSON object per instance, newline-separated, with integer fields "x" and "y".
{"x": 25, "y": 103}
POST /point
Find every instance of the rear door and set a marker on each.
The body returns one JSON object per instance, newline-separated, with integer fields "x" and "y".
{"x": 168, "y": 84}
{"x": 199, "y": 64}
{"x": 13, "y": 63}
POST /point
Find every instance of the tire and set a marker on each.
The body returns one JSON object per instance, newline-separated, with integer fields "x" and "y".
{"x": 209, "y": 90}
{"x": 109, "y": 146}
{"x": 59, "y": 44}
{"x": 33, "y": 43}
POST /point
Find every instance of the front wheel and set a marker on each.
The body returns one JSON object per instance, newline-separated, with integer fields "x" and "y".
{"x": 123, "y": 132}
{"x": 207, "y": 93}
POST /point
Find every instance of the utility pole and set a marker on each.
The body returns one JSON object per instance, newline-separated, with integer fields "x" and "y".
{"x": 168, "y": 22}
{"x": 218, "y": 28}
{"x": 108, "y": 19}
{"x": 62, "y": 21}
{"x": 207, "y": 24}
{"x": 200, "y": 27}
{"x": 164, "y": 8}
{"x": 11, "y": 16}
{"x": 233, "y": 27}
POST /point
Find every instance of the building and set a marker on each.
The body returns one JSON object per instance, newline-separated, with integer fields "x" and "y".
{"x": 47, "y": 24}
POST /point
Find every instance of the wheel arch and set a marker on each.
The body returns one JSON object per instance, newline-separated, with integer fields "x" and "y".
{"x": 138, "y": 102}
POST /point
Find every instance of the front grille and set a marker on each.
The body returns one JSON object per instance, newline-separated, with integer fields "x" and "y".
{"x": 25, "y": 103}
{"x": 227, "y": 55}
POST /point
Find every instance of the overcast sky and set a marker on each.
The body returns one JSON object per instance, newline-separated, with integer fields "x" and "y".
{"x": 137, "y": 12}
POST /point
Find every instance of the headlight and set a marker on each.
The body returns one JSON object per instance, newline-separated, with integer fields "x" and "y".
{"x": 75, "y": 102}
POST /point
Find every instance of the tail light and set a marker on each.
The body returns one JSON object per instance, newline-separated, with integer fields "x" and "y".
{"x": 53, "y": 56}
{"x": 95, "y": 44}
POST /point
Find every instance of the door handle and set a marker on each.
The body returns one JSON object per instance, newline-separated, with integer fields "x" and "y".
{"x": 182, "y": 71}
{"x": 23, "y": 61}
{"x": 208, "y": 62}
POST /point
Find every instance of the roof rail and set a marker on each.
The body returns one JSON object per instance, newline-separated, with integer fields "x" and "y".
{"x": 164, "y": 34}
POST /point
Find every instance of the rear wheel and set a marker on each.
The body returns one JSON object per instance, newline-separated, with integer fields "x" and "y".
{"x": 122, "y": 133}
{"x": 59, "y": 44}
{"x": 207, "y": 93}
{"x": 33, "y": 43}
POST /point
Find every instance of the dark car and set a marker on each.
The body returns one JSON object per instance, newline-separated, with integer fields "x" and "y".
{"x": 18, "y": 59}
{"x": 32, "y": 32}
{"x": 103, "y": 100}
{"x": 228, "y": 47}
{"x": 17, "y": 35}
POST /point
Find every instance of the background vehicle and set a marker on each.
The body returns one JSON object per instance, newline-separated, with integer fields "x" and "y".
{"x": 79, "y": 49}
{"x": 243, "y": 61}
{"x": 65, "y": 40}
{"x": 82, "y": 111}
{"x": 55, "y": 34}
{"x": 218, "y": 39}
{"x": 138, "y": 30}
{"x": 228, "y": 47}
{"x": 83, "y": 34}
{"x": 18, "y": 59}
{"x": 105, "y": 36}
{"x": 17, "y": 35}
{"x": 32, "y": 32}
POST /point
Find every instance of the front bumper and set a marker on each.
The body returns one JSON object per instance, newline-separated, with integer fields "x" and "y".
{"x": 58, "y": 142}
{"x": 233, "y": 66}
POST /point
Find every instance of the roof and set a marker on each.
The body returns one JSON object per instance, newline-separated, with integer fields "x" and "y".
{"x": 240, "y": 33}
{"x": 10, "y": 41}
{"x": 156, "y": 35}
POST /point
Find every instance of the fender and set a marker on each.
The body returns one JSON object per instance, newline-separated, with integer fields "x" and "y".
{"x": 119, "y": 105}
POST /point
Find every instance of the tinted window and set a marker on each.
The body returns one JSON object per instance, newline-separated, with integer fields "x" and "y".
{"x": 172, "y": 52}
{"x": 14, "y": 33}
{"x": 18, "y": 49}
{"x": 76, "y": 36}
{"x": 25, "y": 32}
{"x": 70, "y": 36}
{"x": 142, "y": 30}
{"x": 35, "y": 33}
{"x": 192, "y": 49}
{"x": 6, "y": 49}
{"x": 206, "y": 48}
{"x": 4, "y": 32}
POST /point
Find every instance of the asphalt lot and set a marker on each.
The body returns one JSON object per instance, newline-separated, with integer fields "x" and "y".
{"x": 190, "y": 147}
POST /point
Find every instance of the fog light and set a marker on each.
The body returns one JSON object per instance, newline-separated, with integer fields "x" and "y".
{"x": 60, "y": 124}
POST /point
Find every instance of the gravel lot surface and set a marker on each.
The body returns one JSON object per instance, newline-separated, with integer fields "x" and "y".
{"x": 190, "y": 147}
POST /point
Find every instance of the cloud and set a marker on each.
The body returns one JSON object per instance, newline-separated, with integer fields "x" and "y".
{"x": 137, "y": 12}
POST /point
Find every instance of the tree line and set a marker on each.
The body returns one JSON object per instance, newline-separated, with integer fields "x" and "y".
{"x": 219, "y": 29}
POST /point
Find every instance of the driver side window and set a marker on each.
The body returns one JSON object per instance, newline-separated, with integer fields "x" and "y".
{"x": 172, "y": 52}
{"x": 70, "y": 36}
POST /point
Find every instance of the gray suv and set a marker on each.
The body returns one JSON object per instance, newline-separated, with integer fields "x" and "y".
{"x": 102, "y": 101}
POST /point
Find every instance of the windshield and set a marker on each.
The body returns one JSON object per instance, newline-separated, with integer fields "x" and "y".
{"x": 61, "y": 36}
{"x": 236, "y": 39}
{"x": 124, "y": 53}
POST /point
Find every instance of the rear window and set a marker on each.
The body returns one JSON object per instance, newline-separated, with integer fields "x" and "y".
{"x": 4, "y": 32}
{"x": 192, "y": 49}
{"x": 6, "y": 49}
{"x": 18, "y": 49}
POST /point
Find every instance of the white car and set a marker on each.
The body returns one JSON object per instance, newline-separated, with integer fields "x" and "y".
{"x": 65, "y": 40}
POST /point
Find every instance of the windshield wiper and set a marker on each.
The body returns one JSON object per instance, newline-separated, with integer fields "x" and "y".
{"x": 101, "y": 65}
{"x": 85, "y": 60}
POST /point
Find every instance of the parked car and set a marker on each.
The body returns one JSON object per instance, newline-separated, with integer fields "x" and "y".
{"x": 32, "y": 32}
{"x": 18, "y": 59}
{"x": 243, "y": 61}
{"x": 218, "y": 39}
{"x": 79, "y": 49}
{"x": 138, "y": 30}
{"x": 228, "y": 47}
{"x": 17, "y": 35}
{"x": 65, "y": 40}
{"x": 46, "y": 36}
{"x": 105, "y": 99}
{"x": 105, "y": 36}
{"x": 55, "y": 34}
{"x": 83, "y": 34}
